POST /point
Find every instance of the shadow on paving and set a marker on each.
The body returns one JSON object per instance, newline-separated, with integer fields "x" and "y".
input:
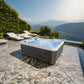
{"x": 34, "y": 62}
{"x": 81, "y": 56}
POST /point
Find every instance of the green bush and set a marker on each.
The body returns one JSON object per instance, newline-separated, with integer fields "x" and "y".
{"x": 1, "y": 35}
{"x": 28, "y": 27}
{"x": 83, "y": 43}
{"x": 35, "y": 31}
{"x": 23, "y": 25}
{"x": 54, "y": 34}
{"x": 8, "y": 18}
{"x": 10, "y": 21}
{"x": 45, "y": 31}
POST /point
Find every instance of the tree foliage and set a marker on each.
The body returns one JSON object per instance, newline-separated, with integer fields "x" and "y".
{"x": 1, "y": 35}
{"x": 10, "y": 21}
{"x": 22, "y": 25}
{"x": 28, "y": 27}
{"x": 83, "y": 43}
{"x": 8, "y": 18}
{"x": 45, "y": 31}
{"x": 55, "y": 34}
{"x": 34, "y": 31}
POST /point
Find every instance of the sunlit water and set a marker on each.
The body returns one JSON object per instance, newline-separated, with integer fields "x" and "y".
{"x": 45, "y": 43}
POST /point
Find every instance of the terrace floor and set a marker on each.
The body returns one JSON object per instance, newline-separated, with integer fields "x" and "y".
{"x": 18, "y": 69}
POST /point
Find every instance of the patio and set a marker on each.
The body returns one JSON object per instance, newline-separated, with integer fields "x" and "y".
{"x": 18, "y": 69}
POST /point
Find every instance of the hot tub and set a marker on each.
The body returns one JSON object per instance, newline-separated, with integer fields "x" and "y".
{"x": 47, "y": 50}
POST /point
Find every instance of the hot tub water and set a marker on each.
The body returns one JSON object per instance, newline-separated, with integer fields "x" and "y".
{"x": 45, "y": 43}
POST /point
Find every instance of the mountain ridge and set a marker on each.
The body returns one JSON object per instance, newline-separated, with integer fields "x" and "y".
{"x": 71, "y": 31}
{"x": 50, "y": 23}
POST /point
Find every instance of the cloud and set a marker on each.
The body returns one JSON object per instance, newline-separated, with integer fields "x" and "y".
{"x": 28, "y": 19}
{"x": 70, "y": 10}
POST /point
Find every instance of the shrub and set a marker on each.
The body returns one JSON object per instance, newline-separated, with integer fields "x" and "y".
{"x": 54, "y": 34}
{"x": 28, "y": 27}
{"x": 35, "y": 31}
{"x": 45, "y": 31}
{"x": 22, "y": 25}
{"x": 83, "y": 43}
{"x": 10, "y": 21}
{"x": 8, "y": 18}
{"x": 1, "y": 35}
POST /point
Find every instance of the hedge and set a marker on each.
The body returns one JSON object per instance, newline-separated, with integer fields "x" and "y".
{"x": 8, "y": 18}
{"x": 22, "y": 25}
{"x": 10, "y": 21}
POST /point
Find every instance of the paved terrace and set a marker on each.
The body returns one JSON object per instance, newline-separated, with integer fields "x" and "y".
{"x": 18, "y": 69}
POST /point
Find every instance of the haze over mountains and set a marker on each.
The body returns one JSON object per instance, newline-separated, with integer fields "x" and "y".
{"x": 71, "y": 31}
{"x": 50, "y": 23}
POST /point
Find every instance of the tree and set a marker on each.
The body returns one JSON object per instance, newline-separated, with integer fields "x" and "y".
{"x": 28, "y": 27}
{"x": 45, "y": 31}
{"x": 83, "y": 43}
{"x": 55, "y": 34}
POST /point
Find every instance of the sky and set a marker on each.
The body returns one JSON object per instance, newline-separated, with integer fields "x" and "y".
{"x": 36, "y": 11}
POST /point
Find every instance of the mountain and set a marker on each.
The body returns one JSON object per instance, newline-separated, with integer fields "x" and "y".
{"x": 51, "y": 23}
{"x": 31, "y": 23}
{"x": 71, "y": 31}
{"x": 35, "y": 27}
{"x": 72, "y": 37}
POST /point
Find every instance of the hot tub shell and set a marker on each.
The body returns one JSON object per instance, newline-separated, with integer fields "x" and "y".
{"x": 49, "y": 55}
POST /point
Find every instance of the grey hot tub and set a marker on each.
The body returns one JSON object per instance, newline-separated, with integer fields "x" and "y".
{"x": 47, "y": 54}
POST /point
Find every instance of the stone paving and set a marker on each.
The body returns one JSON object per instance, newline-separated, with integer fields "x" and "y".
{"x": 18, "y": 69}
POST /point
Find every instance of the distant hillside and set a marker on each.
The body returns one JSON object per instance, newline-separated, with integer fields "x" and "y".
{"x": 34, "y": 27}
{"x": 72, "y": 37}
{"x": 51, "y": 23}
{"x": 72, "y": 30}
